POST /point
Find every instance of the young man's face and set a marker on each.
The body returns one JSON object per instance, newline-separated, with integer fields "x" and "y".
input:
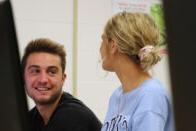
{"x": 44, "y": 77}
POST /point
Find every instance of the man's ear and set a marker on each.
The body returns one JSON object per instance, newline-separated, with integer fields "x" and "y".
{"x": 113, "y": 46}
{"x": 64, "y": 77}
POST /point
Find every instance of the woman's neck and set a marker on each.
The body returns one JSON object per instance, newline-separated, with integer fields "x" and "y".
{"x": 130, "y": 74}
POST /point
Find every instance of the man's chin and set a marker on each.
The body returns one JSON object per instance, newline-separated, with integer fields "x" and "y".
{"x": 43, "y": 102}
{"x": 46, "y": 100}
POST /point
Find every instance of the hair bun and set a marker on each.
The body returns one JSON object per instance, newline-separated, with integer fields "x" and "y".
{"x": 145, "y": 51}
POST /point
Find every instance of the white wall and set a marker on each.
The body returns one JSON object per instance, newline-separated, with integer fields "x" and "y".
{"x": 44, "y": 18}
{"x": 54, "y": 19}
{"x": 93, "y": 87}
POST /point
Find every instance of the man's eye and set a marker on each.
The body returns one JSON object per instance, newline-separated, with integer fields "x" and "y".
{"x": 34, "y": 71}
{"x": 52, "y": 71}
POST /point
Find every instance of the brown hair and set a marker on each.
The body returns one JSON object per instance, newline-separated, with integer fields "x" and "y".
{"x": 44, "y": 45}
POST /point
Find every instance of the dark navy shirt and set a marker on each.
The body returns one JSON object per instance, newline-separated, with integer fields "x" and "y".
{"x": 70, "y": 115}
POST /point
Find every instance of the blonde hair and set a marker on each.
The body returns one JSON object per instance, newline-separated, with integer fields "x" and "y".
{"x": 134, "y": 31}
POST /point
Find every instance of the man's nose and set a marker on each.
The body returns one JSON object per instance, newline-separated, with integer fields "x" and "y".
{"x": 43, "y": 78}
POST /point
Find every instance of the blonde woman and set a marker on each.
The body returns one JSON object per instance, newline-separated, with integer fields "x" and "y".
{"x": 130, "y": 48}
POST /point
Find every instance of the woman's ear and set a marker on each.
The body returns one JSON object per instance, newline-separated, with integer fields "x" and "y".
{"x": 113, "y": 46}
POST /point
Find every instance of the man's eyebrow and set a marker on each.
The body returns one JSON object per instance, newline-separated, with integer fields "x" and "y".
{"x": 53, "y": 67}
{"x": 33, "y": 66}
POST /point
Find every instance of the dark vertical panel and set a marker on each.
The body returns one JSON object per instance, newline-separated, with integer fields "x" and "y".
{"x": 13, "y": 110}
{"x": 180, "y": 19}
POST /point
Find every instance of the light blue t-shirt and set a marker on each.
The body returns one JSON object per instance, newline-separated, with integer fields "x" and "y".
{"x": 146, "y": 108}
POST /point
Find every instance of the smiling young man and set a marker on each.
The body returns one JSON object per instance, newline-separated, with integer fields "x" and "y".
{"x": 43, "y": 67}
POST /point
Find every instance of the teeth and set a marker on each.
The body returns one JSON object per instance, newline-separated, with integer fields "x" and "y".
{"x": 42, "y": 89}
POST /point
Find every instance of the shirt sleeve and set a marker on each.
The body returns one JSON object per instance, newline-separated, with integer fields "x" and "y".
{"x": 148, "y": 121}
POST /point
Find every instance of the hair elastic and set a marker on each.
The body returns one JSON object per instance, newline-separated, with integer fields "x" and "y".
{"x": 144, "y": 51}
